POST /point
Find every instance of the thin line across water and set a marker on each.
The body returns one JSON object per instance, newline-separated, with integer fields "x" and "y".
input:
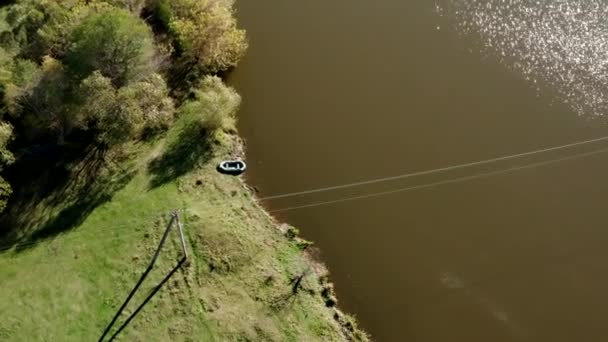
{"x": 422, "y": 173}
{"x": 449, "y": 181}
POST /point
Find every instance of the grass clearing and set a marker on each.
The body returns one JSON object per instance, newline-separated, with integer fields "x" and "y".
{"x": 237, "y": 285}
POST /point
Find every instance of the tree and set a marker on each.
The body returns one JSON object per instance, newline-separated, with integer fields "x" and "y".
{"x": 25, "y": 18}
{"x": 18, "y": 80}
{"x": 207, "y": 34}
{"x": 40, "y": 97}
{"x": 117, "y": 116}
{"x": 116, "y": 43}
{"x": 150, "y": 96}
{"x": 32, "y": 21}
{"x": 45, "y": 107}
{"x": 54, "y": 37}
{"x": 121, "y": 123}
{"x": 112, "y": 118}
{"x": 96, "y": 97}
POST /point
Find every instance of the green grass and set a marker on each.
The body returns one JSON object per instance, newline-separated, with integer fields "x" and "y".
{"x": 236, "y": 287}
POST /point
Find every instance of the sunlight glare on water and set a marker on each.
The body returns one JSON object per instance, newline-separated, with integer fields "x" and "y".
{"x": 563, "y": 43}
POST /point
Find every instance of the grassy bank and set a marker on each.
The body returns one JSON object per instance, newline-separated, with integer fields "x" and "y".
{"x": 110, "y": 119}
{"x": 65, "y": 284}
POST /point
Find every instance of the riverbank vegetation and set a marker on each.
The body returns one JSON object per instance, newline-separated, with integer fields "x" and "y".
{"x": 112, "y": 115}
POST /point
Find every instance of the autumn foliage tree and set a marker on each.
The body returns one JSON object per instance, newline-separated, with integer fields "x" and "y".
{"x": 118, "y": 115}
{"x": 207, "y": 34}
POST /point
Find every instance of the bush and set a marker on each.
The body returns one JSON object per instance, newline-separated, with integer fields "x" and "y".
{"x": 215, "y": 105}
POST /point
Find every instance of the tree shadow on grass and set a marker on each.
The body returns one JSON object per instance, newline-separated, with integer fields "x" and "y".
{"x": 82, "y": 205}
{"x": 186, "y": 152}
{"x": 59, "y": 199}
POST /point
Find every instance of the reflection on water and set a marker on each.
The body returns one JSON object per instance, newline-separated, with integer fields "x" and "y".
{"x": 561, "y": 42}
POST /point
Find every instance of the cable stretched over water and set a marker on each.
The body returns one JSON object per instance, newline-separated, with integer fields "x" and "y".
{"x": 428, "y": 172}
{"x": 449, "y": 181}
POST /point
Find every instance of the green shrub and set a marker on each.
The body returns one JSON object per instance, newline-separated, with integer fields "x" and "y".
{"x": 216, "y": 105}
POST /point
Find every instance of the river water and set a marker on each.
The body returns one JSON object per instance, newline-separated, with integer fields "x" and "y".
{"x": 341, "y": 91}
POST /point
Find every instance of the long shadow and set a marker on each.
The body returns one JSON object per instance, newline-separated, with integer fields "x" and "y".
{"x": 188, "y": 151}
{"x": 84, "y": 202}
{"x": 58, "y": 198}
{"x": 39, "y": 172}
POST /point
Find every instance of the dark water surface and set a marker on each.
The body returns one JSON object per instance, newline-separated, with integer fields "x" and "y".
{"x": 338, "y": 91}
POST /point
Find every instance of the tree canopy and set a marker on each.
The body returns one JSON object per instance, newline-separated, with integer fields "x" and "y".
{"x": 88, "y": 72}
{"x": 207, "y": 34}
{"x": 116, "y": 43}
{"x": 120, "y": 115}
